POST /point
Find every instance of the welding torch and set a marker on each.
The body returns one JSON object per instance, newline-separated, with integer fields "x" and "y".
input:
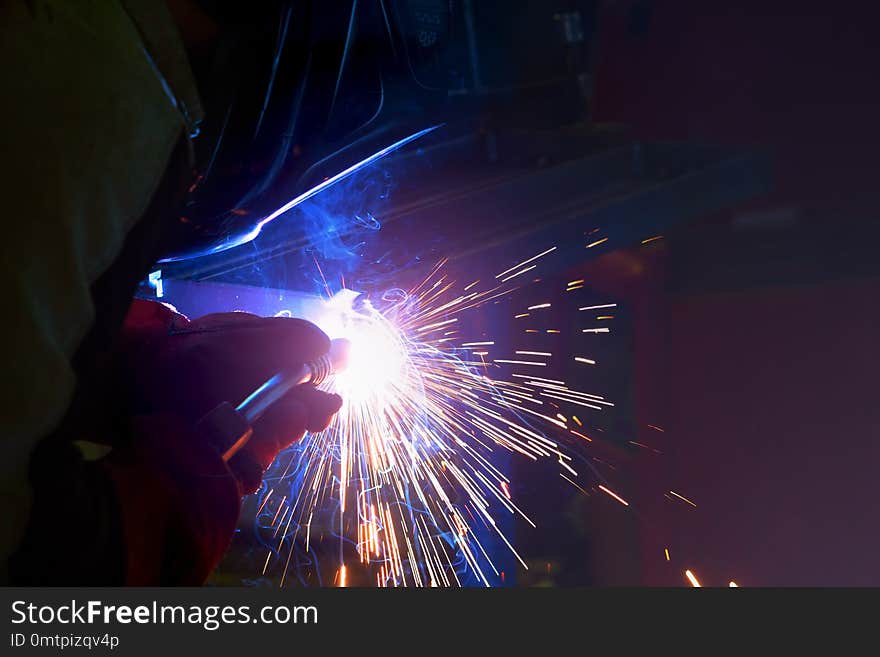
{"x": 228, "y": 428}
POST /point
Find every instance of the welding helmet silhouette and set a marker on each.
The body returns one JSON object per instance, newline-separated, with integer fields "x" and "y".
{"x": 296, "y": 94}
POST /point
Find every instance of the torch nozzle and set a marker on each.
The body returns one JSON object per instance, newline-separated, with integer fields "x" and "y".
{"x": 333, "y": 361}
{"x": 279, "y": 385}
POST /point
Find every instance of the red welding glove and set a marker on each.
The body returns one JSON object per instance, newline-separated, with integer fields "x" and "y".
{"x": 189, "y": 367}
{"x": 179, "y": 500}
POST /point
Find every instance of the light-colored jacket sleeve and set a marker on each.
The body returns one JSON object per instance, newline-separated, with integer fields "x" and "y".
{"x": 88, "y": 129}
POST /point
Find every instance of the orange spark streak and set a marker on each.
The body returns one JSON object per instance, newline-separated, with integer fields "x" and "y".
{"x": 614, "y": 495}
{"x": 683, "y": 498}
{"x": 693, "y": 580}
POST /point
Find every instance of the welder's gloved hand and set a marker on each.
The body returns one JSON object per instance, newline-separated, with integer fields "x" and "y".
{"x": 178, "y": 500}
{"x": 189, "y": 367}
